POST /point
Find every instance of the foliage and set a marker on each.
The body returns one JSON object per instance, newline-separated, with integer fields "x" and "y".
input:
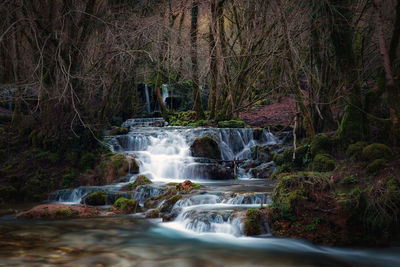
{"x": 376, "y": 151}
{"x": 320, "y": 144}
{"x": 231, "y": 124}
{"x": 323, "y": 163}
{"x": 376, "y": 166}
{"x": 354, "y": 151}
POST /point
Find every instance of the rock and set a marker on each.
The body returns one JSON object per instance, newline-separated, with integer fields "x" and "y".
{"x": 262, "y": 153}
{"x": 376, "y": 151}
{"x": 321, "y": 144}
{"x": 354, "y": 151}
{"x": 185, "y": 186}
{"x": 264, "y": 170}
{"x": 255, "y": 222}
{"x": 125, "y": 206}
{"x": 205, "y": 147}
{"x": 323, "y": 163}
{"x": 168, "y": 217}
{"x": 140, "y": 180}
{"x": 153, "y": 213}
{"x": 167, "y": 206}
{"x": 59, "y": 211}
{"x": 213, "y": 171}
{"x": 376, "y": 166}
{"x": 98, "y": 198}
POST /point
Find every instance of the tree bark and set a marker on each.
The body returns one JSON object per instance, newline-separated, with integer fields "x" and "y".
{"x": 193, "y": 56}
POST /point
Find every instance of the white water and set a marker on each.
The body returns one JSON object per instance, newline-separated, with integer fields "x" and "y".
{"x": 164, "y": 93}
{"x": 146, "y": 90}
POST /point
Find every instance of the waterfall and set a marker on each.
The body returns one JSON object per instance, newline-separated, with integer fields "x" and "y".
{"x": 164, "y": 93}
{"x": 146, "y": 90}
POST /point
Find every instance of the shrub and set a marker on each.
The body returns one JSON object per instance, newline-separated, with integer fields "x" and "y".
{"x": 354, "y": 151}
{"x": 376, "y": 166}
{"x": 323, "y": 163}
{"x": 376, "y": 151}
{"x": 320, "y": 145}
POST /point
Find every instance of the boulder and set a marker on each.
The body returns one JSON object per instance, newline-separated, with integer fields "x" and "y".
{"x": 264, "y": 170}
{"x": 205, "y": 147}
{"x": 98, "y": 198}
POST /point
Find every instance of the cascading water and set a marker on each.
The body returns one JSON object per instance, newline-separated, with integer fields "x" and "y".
{"x": 146, "y": 90}
{"x": 164, "y": 93}
{"x": 163, "y": 154}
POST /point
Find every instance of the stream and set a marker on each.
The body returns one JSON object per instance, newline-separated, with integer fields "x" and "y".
{"x": 206, "y": 228}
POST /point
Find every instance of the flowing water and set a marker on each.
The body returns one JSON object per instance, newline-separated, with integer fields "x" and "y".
{"x": 207, "y": 226}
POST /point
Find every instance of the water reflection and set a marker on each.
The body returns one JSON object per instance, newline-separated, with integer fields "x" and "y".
{"x": 134, "y": 241}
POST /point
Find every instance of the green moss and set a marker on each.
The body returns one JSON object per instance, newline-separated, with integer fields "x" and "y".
{"x": 376, "y": 166}
{"x": 126, "y": 205}
{"x": 376, "y": 151}
{"x": 354, "y": 151}
{"x": 288, "y": 155}
{"x": 140, "y": 180}
{"x": 321, "y": 144}
{"x": 66, "y": 213}
{"x": 196, "y": 186}
{"x": 284, "y": 168}
{"x": 205, "y": 147}
{"x": 323, "y": 163}
{"x": 118, "y": 131}
{"x": 232, "y": 124}
{"x": 278, "y": 159}
{"x": 98, "y": 198}
{"x": 351, "y": 127}
{"x": 303, "y": 157}
{"x": 252, "y": 225}
{"x": 169, "y": 203}
{"x": 118, "y": 161}
{"x": 310, "y": 228}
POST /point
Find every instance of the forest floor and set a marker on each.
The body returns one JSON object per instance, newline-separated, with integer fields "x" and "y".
{"x": 276, "y": 113}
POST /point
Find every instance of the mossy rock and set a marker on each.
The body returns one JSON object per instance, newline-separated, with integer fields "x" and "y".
{"x": 376, "y": 151}
{"x": 278, "y": 159}
{"x": 126, "y": 206}
{"x": 205, "y": 147}
{"x": 376, "y": 166}
{"x": 140, "y": 180}
{"x": 232, "y": 124}
{"x": 320, "y": 144}
{"x": 118, "y": 131}
{"x": 169, "y": 203}
{"x": 252, "y": 225}
{"x": 354, "y": 151}
{"x": 303, "y": 156}
{"x": 98, "y": 198}
{"x": 323, "y": 163}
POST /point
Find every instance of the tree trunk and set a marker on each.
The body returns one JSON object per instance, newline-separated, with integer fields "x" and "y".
{"x": 390, "y": 82}
{"x": 193, "y": 56}
{"x": 213, "y": 60}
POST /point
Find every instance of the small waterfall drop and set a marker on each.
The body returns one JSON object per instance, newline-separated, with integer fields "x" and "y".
{"x": 164, "y": 93}
{"x": 146, "y": 90}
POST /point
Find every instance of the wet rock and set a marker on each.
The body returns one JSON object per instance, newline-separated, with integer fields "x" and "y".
{"x": 262, "y": 153}
{"x": 212, "y": 171}
{"x": 168, "y": 217}
{"x": 264, "y": 170}
{"x": 125, "y": 206}
{"x": 98, "y": 198}
{"x": 169, "y": 203}
{"x": 140, "y": 180}
{"x": 59, "y": 211}
{"x": 153, "y": 213}
{"x": 205, "y": 147}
